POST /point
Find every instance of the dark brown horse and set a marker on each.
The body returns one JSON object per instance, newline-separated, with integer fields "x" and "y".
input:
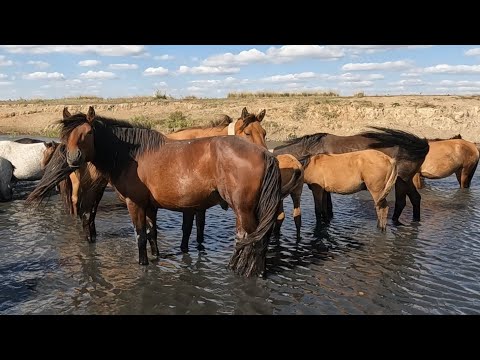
{"x": 407, "y": 149}
{"x": 447, "y": 157}
{"x": 150, "y": 172}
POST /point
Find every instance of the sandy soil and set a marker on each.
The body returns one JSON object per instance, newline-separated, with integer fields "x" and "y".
{"x": 429, "y": 116}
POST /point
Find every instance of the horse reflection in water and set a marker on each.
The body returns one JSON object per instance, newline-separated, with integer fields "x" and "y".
{"x": 151, "y": 172}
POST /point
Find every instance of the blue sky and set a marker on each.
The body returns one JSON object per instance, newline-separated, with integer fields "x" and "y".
{"x": 56, "y": 71}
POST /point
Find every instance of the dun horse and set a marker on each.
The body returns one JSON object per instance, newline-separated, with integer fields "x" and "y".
{"x": 447, "y": 157}
{"x": 151, "y": 172}
{"x": 407, "y": 149}
{"x": 349, "y": 173}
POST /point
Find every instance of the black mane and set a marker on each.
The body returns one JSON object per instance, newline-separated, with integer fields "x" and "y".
{"x": 307, "y": 141}
{"x": 413, "y": 147}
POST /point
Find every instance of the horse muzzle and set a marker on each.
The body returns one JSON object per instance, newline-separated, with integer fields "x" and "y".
{"x": 74, "y": 158}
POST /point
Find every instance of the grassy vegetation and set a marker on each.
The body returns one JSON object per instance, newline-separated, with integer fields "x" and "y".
{"x": 242, "y": 95}
{"x": 359, "y": 94}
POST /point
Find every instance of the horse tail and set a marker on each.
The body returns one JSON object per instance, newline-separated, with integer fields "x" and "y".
{"x": 250, "y": 255}
{"x": 391, "y": 180}
{"x": 287, "y": 188}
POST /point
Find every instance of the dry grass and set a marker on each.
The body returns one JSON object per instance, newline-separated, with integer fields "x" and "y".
{"x": 243, "y": 95}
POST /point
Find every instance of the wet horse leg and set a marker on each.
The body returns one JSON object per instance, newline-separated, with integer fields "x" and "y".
{"x": 297, "y": 213}
{"x": 382, "y": 213}
{"x": 200, "y": 222}
{"x": 467, "y": 175}
{"x": 318, "y": 194}
{"x": 75, "y": 188}
{"x": 415, "y": 199}
{"x": 187, "y": 226}
{"x": 151, "y": 231}
{"x": 400, "y": 200}
{"x": 138, "y": 216}
{"x": 327, "y": 205}
{"x": 418, "y": 181}
{"x": 279, "y": 221}
{"x": 88, "y": 218}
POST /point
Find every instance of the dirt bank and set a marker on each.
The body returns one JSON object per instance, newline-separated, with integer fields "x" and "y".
{"x": 429, "y": 116}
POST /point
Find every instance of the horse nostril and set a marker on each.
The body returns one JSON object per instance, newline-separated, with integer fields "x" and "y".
{"x": 74, "y": 157}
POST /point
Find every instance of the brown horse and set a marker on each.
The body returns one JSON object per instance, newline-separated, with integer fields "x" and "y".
{"x": 447, "y": 157}
{"x": 151, "y": 172}
{"x": 351, "y": 172}
{"x": 407, "y": 149}
{"x": 88, "y": 185}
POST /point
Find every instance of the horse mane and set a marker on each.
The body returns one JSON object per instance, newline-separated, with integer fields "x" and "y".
{"x": 415, "y": 148}
{"x": 220, "y": 123}
{"x": 247, "y": 120}
{"x": 306, "y": 141}
{"x": 452, "y": 138}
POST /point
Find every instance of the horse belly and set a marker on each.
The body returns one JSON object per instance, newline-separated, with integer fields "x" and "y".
{"x": 438, "y": 168}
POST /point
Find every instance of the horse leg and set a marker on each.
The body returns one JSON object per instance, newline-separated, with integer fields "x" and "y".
{"x": 400, "y": 200}
{"x": 75, "y": 187}
{"x": 89, "y": 220}
{"x": 418, "y": 181}
{"x": 381, "y": 208}
{"x": 138, "y": 216}
{"x": 415, "y": 199}
{"x": 187, "y": 226}
{"x": 151, "y": 217}
{"x": 297, "y": 213}
{"x": 328, "y": 205}
{"x": 200, "y": 221}
{"x": 279, "y": 221}
{"x": 318, "y": 193}
{"x": 467, "y": 175}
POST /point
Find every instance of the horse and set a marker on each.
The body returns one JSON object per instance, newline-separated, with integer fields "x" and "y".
{"x": 88, "y": 185}
{"x": 6, "y": 173}
{"x": 351, "y": 172}
{"x": 407, "y": 149}
{"x": 447, "y": 157}
{"x": 151, "y": 171}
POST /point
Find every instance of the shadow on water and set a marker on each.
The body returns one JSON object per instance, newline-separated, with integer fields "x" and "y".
{"x": 344, "y": 267}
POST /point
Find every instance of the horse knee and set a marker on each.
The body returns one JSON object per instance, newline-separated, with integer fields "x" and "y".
{"x": 297, "y": 212}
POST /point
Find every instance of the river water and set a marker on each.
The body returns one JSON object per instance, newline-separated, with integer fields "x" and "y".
{"x": 347, "y": 267}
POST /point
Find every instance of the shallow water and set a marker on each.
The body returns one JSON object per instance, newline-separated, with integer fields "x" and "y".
{"x": 347, "y": 267}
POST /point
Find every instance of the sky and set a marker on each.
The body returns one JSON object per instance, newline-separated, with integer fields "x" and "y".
{"x": 57, "y": 71}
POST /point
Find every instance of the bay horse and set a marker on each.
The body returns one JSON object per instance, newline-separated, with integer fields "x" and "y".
{"x": 446, "y": 157}
{"x": 407, "y": 149}
{"x": 150, "y": 171}
{"x": 351, "y": 172}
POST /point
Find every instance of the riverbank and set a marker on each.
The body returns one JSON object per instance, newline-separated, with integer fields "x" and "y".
{"x": 286, "y": 117}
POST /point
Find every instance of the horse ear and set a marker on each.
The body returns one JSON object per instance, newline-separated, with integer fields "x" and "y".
{"x": 90, "y": 114}
{"x": 261, "y": 115}
{"x": 66, "y": 113}
{"x": 244, "y": 113}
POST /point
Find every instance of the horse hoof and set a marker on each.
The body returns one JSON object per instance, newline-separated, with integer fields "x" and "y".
{"x": 143, "y": 262}
{"x": 200, "y": 247}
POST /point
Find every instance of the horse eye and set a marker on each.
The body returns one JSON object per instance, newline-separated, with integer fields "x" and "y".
{"x": 247, "y": 133}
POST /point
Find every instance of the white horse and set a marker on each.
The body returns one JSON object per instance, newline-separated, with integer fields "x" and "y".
{"x": 6, "y": 172}
{"x": 28, "y": 160}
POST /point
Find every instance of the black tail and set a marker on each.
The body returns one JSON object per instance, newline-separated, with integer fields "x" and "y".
{"x": 66, "y": 191}
{"x": 56, "y": 170}
{"x": 305, "y": 160}
{"x": 250, "y": 256}
{"x": 287, "y": 188}
{"x": 414, "y": 148}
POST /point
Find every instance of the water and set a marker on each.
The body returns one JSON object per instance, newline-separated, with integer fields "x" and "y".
{"x": 348, "y": 267}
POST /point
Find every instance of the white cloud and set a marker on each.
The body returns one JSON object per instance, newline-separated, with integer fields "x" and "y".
{"x": 158, "y": 71}
{"x": 452, "y": 69}
{"x": 195, "y": 89}
{"x": 5, "y": 83}
{"x": 4, "y": 61}
{"x": 349, "y": 77}
{"x": 370, "y": 49}
{"x": 123, "y": 66}
{"x": 164, "y": 57}
{"x": 205, "y": 70}
{"x": 409, "y": 82}
{"x": 98, "y": 75}
{"x": 42, "y": 75}
{"x": 161, "y": 84}
{"x": 89, "y": 62}
{"x": 459, "y": 83}
{"x": 290, "y": 77}
{"x": 410, "y": 74}
{"x": 388, "y": 66}
{"x": 473, "y": 52}
{"x": 39, "y": 64}
{"x": 48, "y": 86}
{"x": 364, "y": 83}
{"x": 102, "y": 50}
{"x": 3, "y": 76}
{"x": 206, "y": 82}
{"x": 283, "y": 54}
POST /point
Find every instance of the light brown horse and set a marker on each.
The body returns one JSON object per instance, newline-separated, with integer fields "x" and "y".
{"x": 351, "y": 172}
{"x": 447, "y": 157}
{"x": 150, "y": 171}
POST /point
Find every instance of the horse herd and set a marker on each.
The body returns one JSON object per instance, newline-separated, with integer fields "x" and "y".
{"x": 196, "y": 168}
